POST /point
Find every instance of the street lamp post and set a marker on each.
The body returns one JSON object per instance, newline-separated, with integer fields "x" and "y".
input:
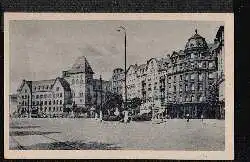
{"x": 125, "y": 70}
{"x": 101, "y": 99}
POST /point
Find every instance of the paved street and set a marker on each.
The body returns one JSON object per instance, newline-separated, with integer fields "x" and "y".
{"x": 175, "y": 134}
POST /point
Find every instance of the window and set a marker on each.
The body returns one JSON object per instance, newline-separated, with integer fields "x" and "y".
{"x": 57, "y": 88}
{"x": 60, "y": 102}
{"x": 200, "y": 77}
{"x": 60, "y": 94}
{"x": 200, "y": 87}
{"x": 41, "y": 103}
{"x": 45, "y": 109}
{"x": 186, "y": 77}
{"x": 192, "y": 55}
{"x": 211, "y": 64}
{"x": 37, "y": 102}
{"x": 54, "y": 102}
{"x": 57, "y": 102}
{"x": 174, "y": 79}
{"x": 49, "y": 108}
{"x": 25, "y": 90}
{"x": 39, "y": 87}
{"x": 49, "y": 102}
{"x": 186, "y": 87}
{"x": 77, "y": 82}
{"x": 180, "y": 88}
{"x": 73, "y": 81}
{"x": 192, "y": 87}
{"x": 81, "y": 100}
{"x": 192, "y": 98}
{"x": 45, "y": 96}
{"x": 211, "y": 76}
{"x": 41, "y": 96}
{"x": 174, "y": 88}
{"x": 54, "y": 108}
{"x": 45, "y": 102}
{"x": 192, "y": 76}
{"x": 180, "y": 77}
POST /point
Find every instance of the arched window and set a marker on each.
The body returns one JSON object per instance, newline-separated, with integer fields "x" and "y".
{"x": 77, "y": 82}
{"x": 73, "y": 81}
{"x": 192, "y": 98}
{"x": 60, "y": 102}
{"x": 49, "y": 102}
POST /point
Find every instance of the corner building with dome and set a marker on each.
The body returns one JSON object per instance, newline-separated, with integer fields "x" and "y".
{"x": 190, "y": 76}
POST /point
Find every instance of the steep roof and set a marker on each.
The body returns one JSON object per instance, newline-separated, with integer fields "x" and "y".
{"x": 81, "y": 65}
{"x": 64, "y": 84}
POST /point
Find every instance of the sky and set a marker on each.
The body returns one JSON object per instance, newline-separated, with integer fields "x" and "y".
{"x": 42, "y": 49}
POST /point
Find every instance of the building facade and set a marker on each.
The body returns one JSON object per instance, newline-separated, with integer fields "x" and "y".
{"x": 179, "y": 83}
{"x": 117, "y": 80}
{"x": 189, "y": 76}
{"x": 220, "y": 83}
{"x": 76, "y": 89}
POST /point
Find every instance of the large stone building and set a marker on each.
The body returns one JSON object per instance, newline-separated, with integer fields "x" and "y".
{"x": 53, "y": 98}
{"x": 117, "y": 80}
{"x": 220, "y": 82}
{"x": 190, "y": 74}
{"x": 179, "y": 83}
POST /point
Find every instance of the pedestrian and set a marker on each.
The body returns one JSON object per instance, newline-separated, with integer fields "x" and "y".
{"x": 202, "y": 117}
{"x": 187, "y": 117}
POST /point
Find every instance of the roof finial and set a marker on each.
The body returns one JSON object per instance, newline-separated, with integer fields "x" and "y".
{"x": 196, "y": 31}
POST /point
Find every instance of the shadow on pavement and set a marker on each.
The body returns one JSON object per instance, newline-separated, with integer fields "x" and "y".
{"x": 27, "y": 133}
{"x": 71, "y": 146}
{"x": 24, "y": 127}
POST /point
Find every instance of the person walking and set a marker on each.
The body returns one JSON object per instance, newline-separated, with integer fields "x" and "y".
{"x": 187, "y": 117}
{"x": 202, "y": 117}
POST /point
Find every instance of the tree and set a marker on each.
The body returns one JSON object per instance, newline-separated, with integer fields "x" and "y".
{"x": 134, "y": 104}
{"x": 112, "y": 102}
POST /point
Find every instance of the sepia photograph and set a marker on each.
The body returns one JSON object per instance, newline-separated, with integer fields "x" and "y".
{"x": 110, "y": 83}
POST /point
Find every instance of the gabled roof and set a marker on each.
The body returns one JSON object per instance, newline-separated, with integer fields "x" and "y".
{"x": 135, "y": 67}
{"x": 64, "y": 84}
{"x": 43, "y": 82}
{"x": 23, "y": 83}
{"x": 81, "y": 65}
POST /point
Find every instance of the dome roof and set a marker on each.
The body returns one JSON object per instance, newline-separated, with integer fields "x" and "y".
{"x": 196, "y": 41}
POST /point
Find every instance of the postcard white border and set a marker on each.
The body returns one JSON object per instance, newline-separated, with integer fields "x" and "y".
{"x": 228, "y": 154}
